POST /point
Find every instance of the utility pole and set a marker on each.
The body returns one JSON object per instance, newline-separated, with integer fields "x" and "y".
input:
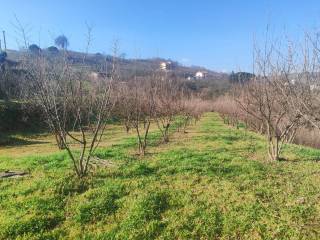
{"x": 0, "y": 46}
{"x": 4, "y": 40}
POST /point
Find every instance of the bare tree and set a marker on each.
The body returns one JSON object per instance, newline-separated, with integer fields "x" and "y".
{"x": 301, "y": 86}
{"x": 125, "y": 104}
{"x": 76, "y": 108}
{"x": 228, "y": 109}
{"x": 136, "y": 107}
{"x": 22, "y": 31}
{"x": 62, "y": 42}
{"x": 143, "y": 96}
{"x": 168, "y": 103}
{"x": 261, "y": 100}
{"x": 192, "y": 108}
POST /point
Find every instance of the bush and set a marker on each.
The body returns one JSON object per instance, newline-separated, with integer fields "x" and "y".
{"x": 15, "y": 116}
{"x": 35, "y": 49}
{"x": 53, "y": 50}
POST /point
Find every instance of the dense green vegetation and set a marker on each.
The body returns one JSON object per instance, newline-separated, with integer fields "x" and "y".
{"x": 212, "y": 183}
{"x": 15, "y": 118}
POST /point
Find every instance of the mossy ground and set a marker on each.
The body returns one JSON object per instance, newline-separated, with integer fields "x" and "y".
{"x": 212, "y": 183}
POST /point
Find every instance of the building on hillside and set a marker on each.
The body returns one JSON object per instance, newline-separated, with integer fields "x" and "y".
{"x": 201, "y": 75}
{"x": 168, "y": 65}
{"x": 189, "y": 76}
{"x": 163, "y": 66}
{"x": 98, "y": 75}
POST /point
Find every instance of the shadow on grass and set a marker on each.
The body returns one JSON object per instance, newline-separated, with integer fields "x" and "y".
{"x": 301, "y": 154}
{"x": 296, "y": 160}
{"x": 9, "y": 141}
{"x": 224, "y": 164}
{"x": 134, "y": 170}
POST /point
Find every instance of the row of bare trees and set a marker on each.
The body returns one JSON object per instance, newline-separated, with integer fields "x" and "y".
{"x": 77, "y": 106}
{"x": 136, "y": 106}
{"x": 158, "y": 99}
{"x": 282, "y": 97}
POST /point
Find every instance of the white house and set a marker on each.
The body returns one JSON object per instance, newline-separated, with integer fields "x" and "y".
{"x": 200, "y": 75}
{"x": 166, "y": 65}
{"x": 163, "y": 66}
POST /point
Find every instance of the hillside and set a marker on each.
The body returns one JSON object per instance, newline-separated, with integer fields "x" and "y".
{"x": 128, "y": 65}
{"x": 212, "y": 83}
{"x": 212, "y": 183}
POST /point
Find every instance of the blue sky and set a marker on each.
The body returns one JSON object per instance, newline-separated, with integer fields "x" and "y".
{"x": 214, "y": 34}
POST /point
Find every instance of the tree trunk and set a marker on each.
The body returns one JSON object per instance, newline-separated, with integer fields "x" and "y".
{"x": 59, "y": 141}
{"x": 185, "y": 125}
{"x": 166, "y": 134}
{"x": 127, "y": 129}
{"x": 273, "y": 148}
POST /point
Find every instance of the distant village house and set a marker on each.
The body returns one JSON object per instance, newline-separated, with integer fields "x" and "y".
{"x": 201, "y": 75}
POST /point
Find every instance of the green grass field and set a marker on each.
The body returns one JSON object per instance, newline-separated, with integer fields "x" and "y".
{"x": 214, "y": 182}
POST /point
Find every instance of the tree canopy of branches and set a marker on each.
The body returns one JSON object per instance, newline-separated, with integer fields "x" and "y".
{"x": 76, "y": 109}
{"x": 301, "y": 78}
{"x": 170, "y": 94}
{"x": 137, "y": 107}
{"x": 283, "y": 95}
{"x": 266, "y": 99}
{"x": 159, "y": 99}
{"x": 53, "y": 50}
{"x": 34, "y": 48}
{"x": 240, "y": 77}
{"x": 192, "y": 108}
{"x": 62, "y": 42}
{"x": 261, "y": 99}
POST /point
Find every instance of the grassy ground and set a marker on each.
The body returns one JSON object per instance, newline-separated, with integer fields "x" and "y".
{"x": 211, "y": 183}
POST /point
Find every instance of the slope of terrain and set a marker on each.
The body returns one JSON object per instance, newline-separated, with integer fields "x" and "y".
{"x": 127, "y": 66}
{"x": 212, "y": 183}
{"x": 213, "y": 84}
